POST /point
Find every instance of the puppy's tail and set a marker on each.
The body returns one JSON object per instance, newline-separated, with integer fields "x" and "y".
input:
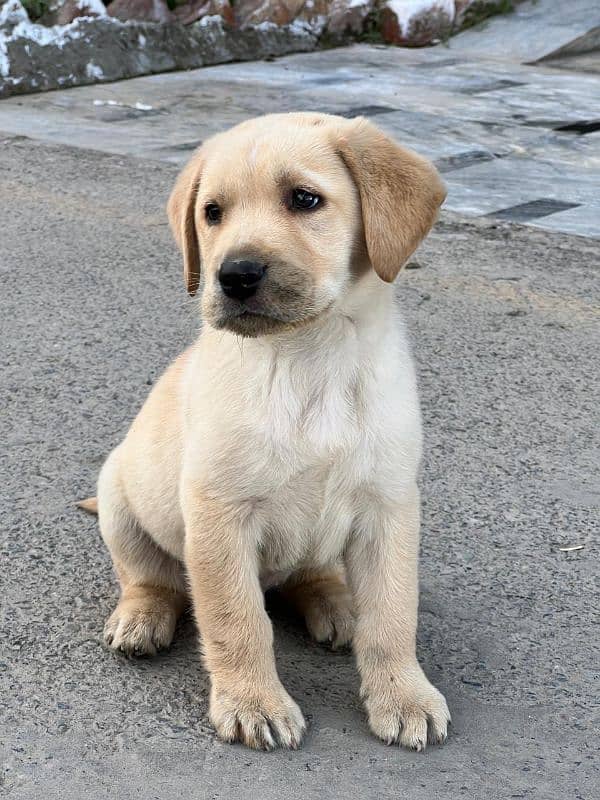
{"x": 89, "y": 505}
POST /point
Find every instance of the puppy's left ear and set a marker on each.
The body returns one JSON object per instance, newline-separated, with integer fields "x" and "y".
{"x": 181, "y": 210}
{"x": 400, "y": 194}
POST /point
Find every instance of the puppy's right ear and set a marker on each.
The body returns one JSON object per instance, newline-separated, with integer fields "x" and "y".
{"x": 181, "y": 211}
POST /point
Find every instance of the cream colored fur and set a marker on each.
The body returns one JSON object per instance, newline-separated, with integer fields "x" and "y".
{"x": 289, "y": 455}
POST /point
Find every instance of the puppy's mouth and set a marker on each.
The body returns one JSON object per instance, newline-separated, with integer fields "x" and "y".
{"x": 251, "y": 322}
{"x": 275, "y": 308}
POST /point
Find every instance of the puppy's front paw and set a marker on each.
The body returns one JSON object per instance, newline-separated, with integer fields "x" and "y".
{"x": 404, "y": 708}
{"x": 262, "y": 719}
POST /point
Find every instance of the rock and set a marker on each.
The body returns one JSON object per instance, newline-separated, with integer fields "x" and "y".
{"x": 194, "y": 10}
{"x": 469, "y": 11}
{"x": 88, "y": 51}
{"x": 141, "y": 10}
{"x": 64, "y": 12}
{"x": 405, "y": 22}
{"x": 314, "y": 13}
{"x": 255, "y": 12}
{"x": 415, "y": 23}
{"x": 349, "y": 16}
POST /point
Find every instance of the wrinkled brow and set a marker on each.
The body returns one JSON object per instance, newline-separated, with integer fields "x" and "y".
{"x": 305, "y": 179}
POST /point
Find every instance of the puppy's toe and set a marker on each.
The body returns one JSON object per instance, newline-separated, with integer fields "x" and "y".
{"x": 139, "y": 631}
{"x": 262, "y": 721}
{"x": 330, "y": 618}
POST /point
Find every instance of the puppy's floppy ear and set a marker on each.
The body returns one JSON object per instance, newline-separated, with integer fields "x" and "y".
{"x": 400, "y": 194}
{"x": 181, "y": 211}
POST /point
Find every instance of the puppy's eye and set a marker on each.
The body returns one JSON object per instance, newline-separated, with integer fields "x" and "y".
{"x": 213, "y": 213}
{"x": 303, "y": 200}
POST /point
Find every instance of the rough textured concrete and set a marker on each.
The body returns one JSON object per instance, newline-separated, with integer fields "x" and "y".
{"x": 505, "y": 325}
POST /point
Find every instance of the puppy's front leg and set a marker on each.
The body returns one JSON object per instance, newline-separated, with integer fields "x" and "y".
{"x": 248, "y": 702}
{"x": 382, "y": 568}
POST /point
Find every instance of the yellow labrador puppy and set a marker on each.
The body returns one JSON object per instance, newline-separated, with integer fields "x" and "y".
{"x": 282, "y": 448}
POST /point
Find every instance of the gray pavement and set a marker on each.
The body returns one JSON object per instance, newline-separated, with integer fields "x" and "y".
{"x": 505, "y": 325}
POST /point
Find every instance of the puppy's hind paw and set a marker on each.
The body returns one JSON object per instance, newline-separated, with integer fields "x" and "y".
{"x": 330, "y": 618}
{"x": 140, "y": 628}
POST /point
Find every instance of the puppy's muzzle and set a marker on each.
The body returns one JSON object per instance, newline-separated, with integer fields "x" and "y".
{"x": 241, "y": 279}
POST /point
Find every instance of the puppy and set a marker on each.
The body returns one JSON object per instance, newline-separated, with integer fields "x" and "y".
{"x": 282, "y": 448}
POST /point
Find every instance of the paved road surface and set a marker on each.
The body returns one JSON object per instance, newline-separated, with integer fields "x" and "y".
{"x": 505, "y": 325}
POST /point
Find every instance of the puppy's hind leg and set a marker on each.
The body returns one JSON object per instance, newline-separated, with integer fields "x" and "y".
{"x": 152, "y": 582}
{"x": 322, "y": 597}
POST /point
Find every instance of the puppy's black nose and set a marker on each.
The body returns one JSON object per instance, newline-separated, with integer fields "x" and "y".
{"x": 241, "y": 279}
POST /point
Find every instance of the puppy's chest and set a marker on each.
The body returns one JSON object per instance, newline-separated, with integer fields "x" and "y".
{"x": 306, "y": 521}
{"x": 318, "y": 447}
{"x": 314, "y": 411}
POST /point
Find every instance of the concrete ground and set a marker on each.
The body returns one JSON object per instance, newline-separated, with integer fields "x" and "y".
{"x": 505, "y": 324}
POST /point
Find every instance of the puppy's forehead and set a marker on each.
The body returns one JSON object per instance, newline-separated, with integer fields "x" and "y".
{"x": 276, "y": 152}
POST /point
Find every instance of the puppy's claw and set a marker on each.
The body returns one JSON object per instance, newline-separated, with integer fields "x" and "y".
{"x": 411, "y": 714}
{"x": 139, "y": 631}
{"x": 263, "y": 724}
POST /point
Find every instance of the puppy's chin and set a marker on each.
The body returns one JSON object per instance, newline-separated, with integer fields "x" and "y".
{"x": 250, "y": 324}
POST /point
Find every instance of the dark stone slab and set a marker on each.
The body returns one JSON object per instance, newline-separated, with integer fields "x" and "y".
{"x": 580, "y": 127}
{"x": 366, "y": 111}
{"x": 462, "y": 160}
{"x": 493, "y": 86}
{"x": 532, "y": 210}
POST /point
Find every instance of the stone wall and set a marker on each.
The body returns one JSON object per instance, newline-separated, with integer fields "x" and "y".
{"x": 73, "y": 42}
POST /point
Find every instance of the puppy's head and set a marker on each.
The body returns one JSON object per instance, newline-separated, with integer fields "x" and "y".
{"x": 279, "y": 216}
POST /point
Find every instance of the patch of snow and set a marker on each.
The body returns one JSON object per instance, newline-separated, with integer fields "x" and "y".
{"x": 40, "y": 34}
{"x": 357, "y": 3}
{"x": 407, "y": 10}
{"x": 298, "y": 26}
{"x": 213, "y": 19}
{"x": 95, "y": 6}
{"x": 138, "y": 106}
{"x": 15, "y": 24}
{"x": 4, "y": 60}
{"x": 142, "y": 40}
{"x": 12, "y": 13}
{"x": 267, "y": 26}
{"x": 94, "y": 71}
